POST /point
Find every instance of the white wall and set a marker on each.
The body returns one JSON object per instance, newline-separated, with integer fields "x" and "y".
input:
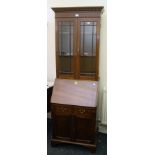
{"x": 51, "y": 72}
{"x": 74, "y": 3}
{"x": 102, "y": 108}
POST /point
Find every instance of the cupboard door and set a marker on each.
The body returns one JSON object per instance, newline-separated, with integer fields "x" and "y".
{"x": 62, "y": 122}
{"x": 84, "y": 122}
{"x": 65, "y": 52}
{"x": 84, "y": 130}
{"x": 88, "y": 30}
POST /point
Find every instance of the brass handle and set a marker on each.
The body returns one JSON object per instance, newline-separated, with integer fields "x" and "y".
{"x": 82, "y": 111}
{"x": 62, "y": 109}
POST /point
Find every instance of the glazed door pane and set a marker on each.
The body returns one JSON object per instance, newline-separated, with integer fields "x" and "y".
{"x": 66, "y": 46}
{"x": 87, "y": 48}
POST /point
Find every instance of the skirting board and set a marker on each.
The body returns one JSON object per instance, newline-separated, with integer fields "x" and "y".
{"x": 49, "y": 115}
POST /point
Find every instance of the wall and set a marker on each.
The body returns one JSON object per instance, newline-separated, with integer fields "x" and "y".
{"x": 51, "y": 72}
{"x": 102, "y": 106}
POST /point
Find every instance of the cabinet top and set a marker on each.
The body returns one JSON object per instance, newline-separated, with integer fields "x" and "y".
{"x": 81, "y": 12}
{"x": 64, "y": 9}
{"x": 75, "y": 92}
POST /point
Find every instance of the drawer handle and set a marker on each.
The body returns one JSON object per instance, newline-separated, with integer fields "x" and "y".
{"x": 82, "y": 111}
{"x": 62, "y": 109}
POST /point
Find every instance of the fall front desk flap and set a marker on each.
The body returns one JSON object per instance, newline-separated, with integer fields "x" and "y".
{"x": 75, "y": 92}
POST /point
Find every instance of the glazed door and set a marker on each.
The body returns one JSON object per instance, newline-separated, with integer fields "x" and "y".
{"x": 88, "y": 36}
{"x": 77, "y": 48}
{"x": 65, "y": 47}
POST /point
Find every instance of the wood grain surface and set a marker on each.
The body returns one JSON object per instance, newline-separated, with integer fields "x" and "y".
{"x": 75, "y": 92}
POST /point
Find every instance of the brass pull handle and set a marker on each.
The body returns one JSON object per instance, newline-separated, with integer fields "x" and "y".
{"x": 82, "y": 111}
{"x": 62, "y": 109}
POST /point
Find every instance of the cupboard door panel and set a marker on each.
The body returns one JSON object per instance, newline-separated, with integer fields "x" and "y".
{"x": 62, "y": 127}
{"x": 84, "y": 122}
{"x": 62, "y": 121}
{"x": 84, "y": 130}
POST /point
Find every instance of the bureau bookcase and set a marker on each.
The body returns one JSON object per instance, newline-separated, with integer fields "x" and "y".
{"x": 74, "y": 98}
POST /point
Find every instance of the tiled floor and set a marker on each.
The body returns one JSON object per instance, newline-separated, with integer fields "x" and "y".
{"x": 68, "y": 149}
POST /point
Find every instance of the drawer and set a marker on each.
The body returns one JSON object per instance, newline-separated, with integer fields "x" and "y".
{"x": 84, "y": 111}
{"x": 61, "y": 109}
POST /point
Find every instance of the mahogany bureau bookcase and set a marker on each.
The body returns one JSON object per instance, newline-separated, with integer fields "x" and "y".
{"x": 74, "y": 112}
{"x": 74, "y": 98}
